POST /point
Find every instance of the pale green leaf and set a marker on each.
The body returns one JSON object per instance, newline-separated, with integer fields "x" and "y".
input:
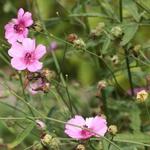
{"x": 129, "y": 33}
{"x": 21, "y": 136}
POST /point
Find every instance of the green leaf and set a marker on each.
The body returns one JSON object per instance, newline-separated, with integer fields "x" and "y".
{"x": 137, "y": 138}
{"x": 135, "y": 119}
{"x": 106, "y": 45}
{"x": 129, "y": 32}
{"x": 21, "y": 136}
{"x": 133, "y": 10}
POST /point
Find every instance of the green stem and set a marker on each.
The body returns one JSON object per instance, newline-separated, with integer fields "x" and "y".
{"x": 53, "y": 55}
{"x": 126, "y": 51}
{"x": 120, "y": 10}
{"x": 129, "y": 71}
{"x": 24, "y": 94}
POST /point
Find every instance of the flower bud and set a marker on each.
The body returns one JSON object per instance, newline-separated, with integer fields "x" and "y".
{"x": 142, "y": 96}
{"x": 98, "y": 30}
{"x": 115, "y": 59}
{"x": 80, "y": 147}
{"x": 72, "y": 37}
{"x": 37, "y": 26}
{"x": 116, "y": 31}
{"x": 48, "y": 74}
{"x": 46, "y": 140}
{"x": 79, "y": 43}
{"x": 40, "y": 124}
{"x": 101, "y": 84}
{"x": 51, "y": 142}
{"x": 137, "y": 48}
{"x": 112, "y": 129}
{"x": 46, "y": 87}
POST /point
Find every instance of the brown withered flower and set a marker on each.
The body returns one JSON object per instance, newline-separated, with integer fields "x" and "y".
{"x": 72, "y": 37}
{"x": 38, "y": 81}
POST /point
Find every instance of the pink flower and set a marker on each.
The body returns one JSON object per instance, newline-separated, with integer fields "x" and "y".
{"x": 26, "y": 55}
{"x": 97, "y": 124}
{"x": 17, "y": 28}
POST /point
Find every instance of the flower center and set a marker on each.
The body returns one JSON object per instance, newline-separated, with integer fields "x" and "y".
{"x": 19, "y": 28}
{"x": 85, "y": 132}
{"x": 29, "y": 58}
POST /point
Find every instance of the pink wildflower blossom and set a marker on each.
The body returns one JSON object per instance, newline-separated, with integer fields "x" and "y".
{"x": 26, "y": 55}
{"x": 96, "y": 124}
{"x": 17, "y": 28}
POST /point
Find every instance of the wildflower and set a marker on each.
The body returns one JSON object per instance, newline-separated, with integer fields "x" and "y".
{"x": 26, "y": 55}
{"x": 112, "y": 129}
{"x": 89, "y": 127}
{"x": 116, "y": 31}
{"x": 17, "y": 28}
{"x": 142, "y": 96}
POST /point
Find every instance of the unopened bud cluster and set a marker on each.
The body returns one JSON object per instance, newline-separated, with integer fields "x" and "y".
{"x": 142, "y": 96}
{"x": 116, "y": 31}
{"x": 112, "y": 129}
{"x": 98, "y": 30}
{"x": 77, "y": 42}
{"x": 50, "y": 141}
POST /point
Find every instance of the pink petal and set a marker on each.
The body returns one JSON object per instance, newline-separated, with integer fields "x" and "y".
{"x": 20, "y": 37}
{"x": 18, "y": 64}
{"x": 89, "y": 121}
{"x": 35, "y": 66}
{"x": 74, "y": 134}
{"x": 72, "y": 131}
{"x": 99, "y": 125}
{"x": 16, "y": 50}
{"x": 12, "y": 38}
{"x": 40, "y": 51}
{"x": 28, "y": 44}
{"x": 20, "y": 13}
{"x": 28, "y": 19}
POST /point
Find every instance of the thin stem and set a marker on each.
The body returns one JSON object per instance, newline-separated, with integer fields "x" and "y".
{"x": 86, "y": 19}
{"x": 128, "y": 70}
{"x": 24, "y": 94}
{"x": 53, "y": 54}
{"x": 120, "y": 10}
{"x": 104, "y": 102}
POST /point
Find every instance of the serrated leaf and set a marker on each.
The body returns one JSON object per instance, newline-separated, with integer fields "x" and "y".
{"x": 21, "y": 136}
{"x": 129, "y": 32}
